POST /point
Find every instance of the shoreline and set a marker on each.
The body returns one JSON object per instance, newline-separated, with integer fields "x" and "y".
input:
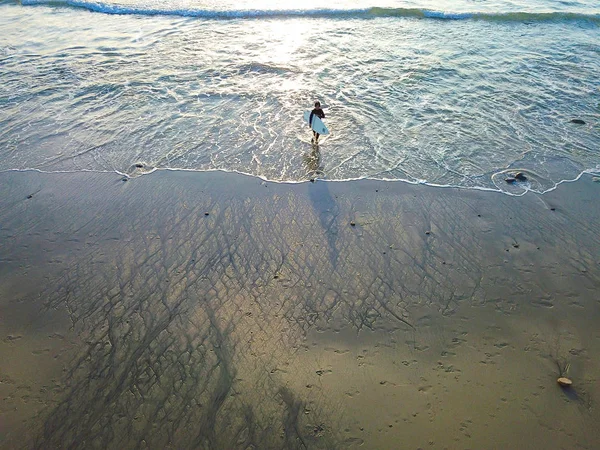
{"x": 594, "y": 173}
{"x": 188, "y": 310}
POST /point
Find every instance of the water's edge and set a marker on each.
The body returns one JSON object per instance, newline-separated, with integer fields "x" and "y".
{"x": 126, "y": 177}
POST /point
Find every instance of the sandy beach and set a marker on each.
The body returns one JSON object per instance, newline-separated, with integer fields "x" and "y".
{"x": 214, "y": 310}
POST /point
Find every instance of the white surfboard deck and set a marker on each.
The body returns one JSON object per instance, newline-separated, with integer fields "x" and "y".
{"x": 317, "y": 124}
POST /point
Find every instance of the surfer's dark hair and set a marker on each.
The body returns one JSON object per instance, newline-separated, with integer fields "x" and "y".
{"x": 317, "y": 104}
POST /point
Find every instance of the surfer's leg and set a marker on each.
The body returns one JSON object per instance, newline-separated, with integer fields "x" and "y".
{"x": 316, "y": 137}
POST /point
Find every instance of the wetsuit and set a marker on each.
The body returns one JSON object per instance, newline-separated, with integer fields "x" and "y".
{"x": 316, "y": 112}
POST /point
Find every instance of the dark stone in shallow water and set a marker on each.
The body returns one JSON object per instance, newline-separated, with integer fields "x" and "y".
{"x": 578, "y": 121}
{"x": 520, "y": 176}
{"x": 510, "y": 180}
{"x": 139, "y": 165}
{"x": 30, "y": 196}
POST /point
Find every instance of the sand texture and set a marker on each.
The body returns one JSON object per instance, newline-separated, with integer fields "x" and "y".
{"x": 216, "y": 311}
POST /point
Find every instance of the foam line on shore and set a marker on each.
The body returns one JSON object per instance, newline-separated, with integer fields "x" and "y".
{"x": 594, "y": 172}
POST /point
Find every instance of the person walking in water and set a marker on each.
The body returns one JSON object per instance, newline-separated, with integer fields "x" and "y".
{"x": 317, "y": 111}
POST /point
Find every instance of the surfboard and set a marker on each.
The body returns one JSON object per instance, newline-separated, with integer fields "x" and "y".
{"x": 317, "y": 124}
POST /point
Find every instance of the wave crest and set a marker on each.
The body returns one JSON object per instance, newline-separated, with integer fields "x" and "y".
{"x": 365, "y": 13}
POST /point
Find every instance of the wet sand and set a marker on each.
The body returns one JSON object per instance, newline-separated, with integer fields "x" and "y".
{"x": 210, "y": 310}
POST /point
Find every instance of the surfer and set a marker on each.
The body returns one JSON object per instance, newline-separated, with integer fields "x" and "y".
{"x": 317, "y": 111}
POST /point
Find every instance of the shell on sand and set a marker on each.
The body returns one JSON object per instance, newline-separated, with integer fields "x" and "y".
{"x": 564, "y": 381}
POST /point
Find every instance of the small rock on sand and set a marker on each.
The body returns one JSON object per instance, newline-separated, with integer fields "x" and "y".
{"x": 563, "y": 381}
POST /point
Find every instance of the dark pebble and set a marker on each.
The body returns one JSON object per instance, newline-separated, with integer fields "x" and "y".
{"x": 124, "y": 179}
{"x": 578, "y": 121}
{"x": 520, "y": 176}
{"x": 139, "y": 165}
{"x": 352, "y": 223}
{"x": 312, "y": 180}
{"x": 428, "y": 232}
{"x": 516, "y": 245}
{"x": 552, "y": 209}
{"x": 206, "y": 214}
{"x": 510, "y": 180}
{"x": 30, "y": 196}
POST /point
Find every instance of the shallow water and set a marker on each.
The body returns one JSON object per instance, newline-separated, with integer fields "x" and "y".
{"x": 444, "y": 93}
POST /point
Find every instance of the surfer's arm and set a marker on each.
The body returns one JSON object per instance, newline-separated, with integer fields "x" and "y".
{"x": 312, "y": 113}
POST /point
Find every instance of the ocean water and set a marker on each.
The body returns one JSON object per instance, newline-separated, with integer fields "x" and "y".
{"x": 448, "y": 93}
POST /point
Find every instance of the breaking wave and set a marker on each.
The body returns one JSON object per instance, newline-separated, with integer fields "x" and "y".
{"x": 364, "y": 13}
